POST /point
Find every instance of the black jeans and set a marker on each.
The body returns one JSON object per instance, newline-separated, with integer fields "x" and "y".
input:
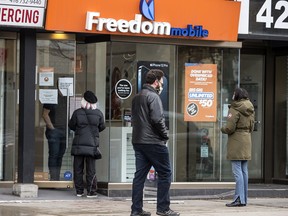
{"x": 57, "y": 147}
{"x": 148, "y": 155}
{"x": 78, "y": 169}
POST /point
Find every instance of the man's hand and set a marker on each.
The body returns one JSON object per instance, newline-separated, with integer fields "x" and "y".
{"x": 47, "y": 119}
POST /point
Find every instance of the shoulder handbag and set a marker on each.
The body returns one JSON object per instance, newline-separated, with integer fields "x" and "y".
{"x": 97, "y": 154}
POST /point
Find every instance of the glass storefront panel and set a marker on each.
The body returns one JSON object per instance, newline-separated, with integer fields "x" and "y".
{"x": 100, "y": 67}
{"x": 121, "y": 65}
{"x": 198, "y": 149}
{"x": 195, "y": 138}
{"x": 251, "y": 76}
{"x": 280, "y": 116}
{"x": 8, "y": 133}
{"x": 129, "y": 63}
{"x": 91, "y": 75}
{"x": 55, "y": 81}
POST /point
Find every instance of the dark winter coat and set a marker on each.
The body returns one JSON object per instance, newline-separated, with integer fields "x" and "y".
{"x": 240, "y": 124}
{"x": 147, "y": 118}
{"x": 87, "y": 124}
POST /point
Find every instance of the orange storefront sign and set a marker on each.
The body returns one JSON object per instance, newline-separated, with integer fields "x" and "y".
{"x": 200, "y": 92}
{"x": 190, "y": 19}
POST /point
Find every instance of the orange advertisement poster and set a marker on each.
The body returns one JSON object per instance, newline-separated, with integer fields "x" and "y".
{"x": 200, "y": 92}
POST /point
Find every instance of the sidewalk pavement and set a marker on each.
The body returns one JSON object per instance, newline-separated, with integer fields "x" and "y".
{"x": 60, "y": 202}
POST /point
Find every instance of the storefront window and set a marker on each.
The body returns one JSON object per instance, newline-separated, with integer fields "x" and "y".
{"x": 55, "y": 98}
{"x": 281, "y": 98}
{"x": 91, "y": 74}
{"x": 251, "y": 76}
{"x": 200, "y": 145}
{"x": 129, "y": 64}
{"x": 197, "y": 147}
{"x": 8, "y": 107}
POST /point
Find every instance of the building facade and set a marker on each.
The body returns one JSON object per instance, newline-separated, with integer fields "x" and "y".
{"x": 90, "y": 46}
{"x": 263, "y": 33}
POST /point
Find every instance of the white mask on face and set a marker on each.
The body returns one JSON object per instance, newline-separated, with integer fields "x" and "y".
{"x": 233, "y": 97}
{"x": 160, "y": 90}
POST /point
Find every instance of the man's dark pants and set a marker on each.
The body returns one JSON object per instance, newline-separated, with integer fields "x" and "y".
{"x": 148, "y": 155}
{"x": 57, "y": 147}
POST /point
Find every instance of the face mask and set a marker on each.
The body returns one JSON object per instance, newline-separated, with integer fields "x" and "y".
{"x": 233, "y": 97}
{"x": 160, "y": 89}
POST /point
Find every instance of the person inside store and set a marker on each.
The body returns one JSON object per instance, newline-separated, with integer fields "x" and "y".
{"x": 239, "y": 125}
{"x": 149, "y": 139}
{"x": 55, "y": 118}
{"x": 87, "y": 122}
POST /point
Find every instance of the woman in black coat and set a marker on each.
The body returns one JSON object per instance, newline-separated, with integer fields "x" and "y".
{"x": 87, "y": 122}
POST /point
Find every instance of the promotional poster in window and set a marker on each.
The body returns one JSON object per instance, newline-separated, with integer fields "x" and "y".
{"x": 200, "y": 92}
{"x": 142, "y": 68}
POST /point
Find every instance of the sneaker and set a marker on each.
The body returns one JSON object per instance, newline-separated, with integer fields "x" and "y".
{"x": 143, "y": 213}
{"x": 80, "y": 194}
{"x": 167, "y": 213}
{"x": 92, "y": 195}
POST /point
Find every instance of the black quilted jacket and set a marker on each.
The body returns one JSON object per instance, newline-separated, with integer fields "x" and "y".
{"x": 87, "y": 124}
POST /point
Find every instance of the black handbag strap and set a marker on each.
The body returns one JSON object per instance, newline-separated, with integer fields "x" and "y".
{"x": 89, "y": 125}
{"x": 99, "y": 155}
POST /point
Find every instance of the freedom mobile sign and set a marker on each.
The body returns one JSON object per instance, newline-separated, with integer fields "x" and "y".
{"x": 146, "y": 27}
{"x": 188, "y": 19}
{"x": 200, "y": 92}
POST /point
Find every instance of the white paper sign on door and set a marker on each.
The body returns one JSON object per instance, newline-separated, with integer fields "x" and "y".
{"x": 65, "y": 85}
{"x": 48, "y": 96}
{"x": 46, "y": 79}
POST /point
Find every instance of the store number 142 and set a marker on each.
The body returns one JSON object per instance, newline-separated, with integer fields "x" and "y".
{"x": 264, "y": 15}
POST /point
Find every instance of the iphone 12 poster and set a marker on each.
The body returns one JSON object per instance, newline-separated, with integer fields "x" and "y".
{"x": 142, "y": 68}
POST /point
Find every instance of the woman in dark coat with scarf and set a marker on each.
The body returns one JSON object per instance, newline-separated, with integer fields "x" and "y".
{"x": 239, "y": 125}
{"x": 87, "y": 122}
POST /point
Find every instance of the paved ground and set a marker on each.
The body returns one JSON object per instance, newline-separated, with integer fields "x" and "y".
{"x": 59, "y": 202}
{"x": 120, "y": 207}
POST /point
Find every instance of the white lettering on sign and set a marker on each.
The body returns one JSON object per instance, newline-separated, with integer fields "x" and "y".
{"x": 124, "y": 26}
{"x": 244, "y": 17}
{"x": 265, "y": 14}
{"x": 21, "y": 16}
{"x": 201, "y": 75}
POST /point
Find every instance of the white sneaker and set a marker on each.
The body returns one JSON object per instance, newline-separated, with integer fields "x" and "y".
{"x": 92, "y": 195}
{"x": 80, "y": 195}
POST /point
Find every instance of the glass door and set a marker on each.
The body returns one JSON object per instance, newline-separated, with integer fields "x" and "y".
{"x": 7, "y": 106}
{"x": 281, "y": 119}
{"x": 55, "y": 83}
{"x": 252, "y": 68}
